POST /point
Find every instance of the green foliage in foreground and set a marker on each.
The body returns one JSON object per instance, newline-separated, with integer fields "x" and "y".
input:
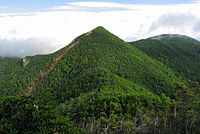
{"x": 106, "y": 111}
{"x": 116, "y": 112}
{"x": 137, "y": 111}
{"x": 21, "y": 114}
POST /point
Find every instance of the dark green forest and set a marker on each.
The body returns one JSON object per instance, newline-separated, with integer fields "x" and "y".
{"x": 180, "y": 53}
{"x": 105, "y": 85}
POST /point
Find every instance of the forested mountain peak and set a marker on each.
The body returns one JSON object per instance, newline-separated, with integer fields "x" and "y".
{"x": 99, "y": 27}
{"x": 100, "y": 83}
{"x": 98, "y": 51}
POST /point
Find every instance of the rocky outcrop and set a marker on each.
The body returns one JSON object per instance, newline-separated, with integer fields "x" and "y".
{"x": 25, "y": 61}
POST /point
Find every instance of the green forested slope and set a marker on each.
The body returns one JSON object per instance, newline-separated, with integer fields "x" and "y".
{"x": 180, "y": 53}
{"x": 90, "y": 64}
{"x": 14, "y": 77}
{"x": 17, "y": 74}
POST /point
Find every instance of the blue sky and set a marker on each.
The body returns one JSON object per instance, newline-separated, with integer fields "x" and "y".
{"x": 42, "y": 5}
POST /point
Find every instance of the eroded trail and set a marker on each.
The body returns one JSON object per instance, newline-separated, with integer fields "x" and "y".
{"x": 31, "y": 88}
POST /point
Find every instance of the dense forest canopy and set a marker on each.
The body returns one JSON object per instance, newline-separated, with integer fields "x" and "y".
{"x": 180, "y": 53}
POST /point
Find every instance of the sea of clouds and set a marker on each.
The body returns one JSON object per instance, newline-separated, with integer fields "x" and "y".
{"x": 31, "y": 33}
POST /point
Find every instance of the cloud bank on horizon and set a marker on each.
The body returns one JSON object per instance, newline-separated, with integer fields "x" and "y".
{"x": 41, "y": 32}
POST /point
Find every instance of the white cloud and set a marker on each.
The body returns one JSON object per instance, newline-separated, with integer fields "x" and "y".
{"x": 21, "y": 48}
{"x": 182, "y": 22}
{"x": 197, "y": 1}
{"x": 59, "y": 28}
{"x": 63, "y": 8}
{"x": 92, "y": 6}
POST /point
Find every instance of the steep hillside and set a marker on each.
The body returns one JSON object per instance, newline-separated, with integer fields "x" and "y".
{"x": 181, "y": 53}
{"x": 96, "y": 59}
{"x": 18, "y": 74}
{"x": 100, "y": 50}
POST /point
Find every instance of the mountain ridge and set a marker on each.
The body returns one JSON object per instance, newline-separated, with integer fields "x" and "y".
{"x": 29, "y": 90}
{"x": 169, "y": 36}
{"x": 181, "y": 53}
{"x": 103, "y": 53}
{"x": 100, "y": 37}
